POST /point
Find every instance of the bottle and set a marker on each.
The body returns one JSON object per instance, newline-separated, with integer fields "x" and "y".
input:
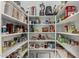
{"x": 37, "y": 21}
{"x": 4, "y": 29}
{"x": 52, "y": 29}
{"x": 46, "y": 22}
{"x": 73, "y": 28}
{"x": 66, "y": 28}
{"x": 49, "y": 21}
{"x": 61, "y": 39}
{"x": 33, "y": 10}
{"x": 10, "y": 28}
{"x": 45, "y": 46}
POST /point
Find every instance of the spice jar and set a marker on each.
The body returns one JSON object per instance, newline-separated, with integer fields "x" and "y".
{"x": 45, "y": 46}
{"x": 72, "y": 42}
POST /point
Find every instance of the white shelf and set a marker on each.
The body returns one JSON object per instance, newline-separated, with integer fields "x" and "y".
{"x": 73, "y": 34}
{"x": 40, "y": 16}
{"x": 23, "y": 53}
{"x": 71, "y": 49}
{"x": 12, "y": 19}
{"x": 42, "y": 24}
{"x": 72, "y": 18}
{"x": 13, "y": 48}
{"x": 48, "y": 49}
{"x": 41, "y": 32}
{"x": 41, "y": 40}
{"x": 14, "y": 34}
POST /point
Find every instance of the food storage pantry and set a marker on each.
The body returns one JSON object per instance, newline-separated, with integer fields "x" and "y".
{"x": 39, "y": 29}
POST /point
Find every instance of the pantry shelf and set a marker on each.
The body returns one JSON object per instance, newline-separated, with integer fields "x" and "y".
{"x": 14, "y": 34}
{"x": 67, "y": 33}
{"x": 40, "y": 16}
{"x": 42, "y": 40}
{"x": 13, "y": 48}
{"x": 69, "y": 19}
{"x": 49, "y": 49}
{"x": 42, "y": 24}
{"x": 71, "y": 49}
{"x": 41, "y": 32}
{"x": 12, "y": 19}
{"x": 26, "y": 33}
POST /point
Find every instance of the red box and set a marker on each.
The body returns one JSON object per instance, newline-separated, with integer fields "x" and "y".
{"x": 69, "y": 10}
